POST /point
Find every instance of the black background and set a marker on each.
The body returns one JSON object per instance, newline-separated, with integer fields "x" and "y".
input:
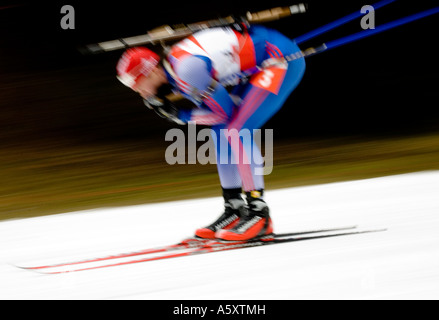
{"x": 383, "y": 85}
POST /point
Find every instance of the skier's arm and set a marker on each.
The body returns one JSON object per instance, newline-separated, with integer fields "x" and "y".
{"x": 164, "y": 108}
{"x": 196, "y": 83}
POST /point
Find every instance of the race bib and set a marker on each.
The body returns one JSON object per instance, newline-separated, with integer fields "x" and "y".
{"x": 270, "y": 79}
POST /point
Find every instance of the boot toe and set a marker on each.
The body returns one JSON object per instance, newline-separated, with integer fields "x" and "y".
{"x": 255, "y": 232}
{"x": 205, "y": 233}
{"x": 229, "y": 236}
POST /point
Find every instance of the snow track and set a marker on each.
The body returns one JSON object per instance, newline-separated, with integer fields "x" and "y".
{"x": 401, "y": 263}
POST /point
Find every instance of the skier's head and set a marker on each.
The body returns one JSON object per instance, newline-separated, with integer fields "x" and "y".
{"x": 139, "y": 69}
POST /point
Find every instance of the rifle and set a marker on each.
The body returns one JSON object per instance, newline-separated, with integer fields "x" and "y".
{"x": 166, "y": 33}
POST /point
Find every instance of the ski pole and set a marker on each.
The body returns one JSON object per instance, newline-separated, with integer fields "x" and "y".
{"x": 338, "y": 23}
{"x": 330, "y": 45}
{"x": 384, "y": 27}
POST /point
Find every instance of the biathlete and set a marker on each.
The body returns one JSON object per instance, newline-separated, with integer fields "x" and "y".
{"x": 200, "y": 68}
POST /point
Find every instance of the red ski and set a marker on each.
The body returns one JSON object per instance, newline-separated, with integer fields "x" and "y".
{"x": 189, "y": 247}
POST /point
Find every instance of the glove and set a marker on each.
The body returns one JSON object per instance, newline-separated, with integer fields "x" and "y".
{"x": 164, "y": 108}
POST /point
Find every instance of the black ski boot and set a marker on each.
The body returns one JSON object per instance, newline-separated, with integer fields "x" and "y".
{"x": 255, "y": 222}
{"x": 234, "y": 205}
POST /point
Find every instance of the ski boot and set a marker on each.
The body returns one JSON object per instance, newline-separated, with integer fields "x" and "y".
{"x": 255, "y": 222}
{"x": 234, "y": 205}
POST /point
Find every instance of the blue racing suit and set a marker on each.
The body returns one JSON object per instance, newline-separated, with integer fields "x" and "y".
{"x": 202, "y": 66}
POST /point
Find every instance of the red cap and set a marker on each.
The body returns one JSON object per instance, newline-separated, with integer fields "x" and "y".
{"x": 134, "y": 63}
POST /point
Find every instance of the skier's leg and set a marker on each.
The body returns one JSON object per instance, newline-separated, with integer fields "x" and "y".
{"x": 257, "y": 108}
{"x": 230, "y": 180}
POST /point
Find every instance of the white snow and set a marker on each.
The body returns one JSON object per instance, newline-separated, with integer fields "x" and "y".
{"x": 401, "y": 263}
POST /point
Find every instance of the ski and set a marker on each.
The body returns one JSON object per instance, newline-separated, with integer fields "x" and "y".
{"x": 210, "y": 247}
{"x": 189, "y": 243}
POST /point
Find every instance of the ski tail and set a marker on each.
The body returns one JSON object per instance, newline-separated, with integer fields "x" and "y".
{"x": 327, "y": 235}
{"x": 299, "y": 233}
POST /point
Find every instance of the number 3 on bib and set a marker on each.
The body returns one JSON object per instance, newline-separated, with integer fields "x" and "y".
{"x": 270, "y": 79}
{"x": 266, "y": 79}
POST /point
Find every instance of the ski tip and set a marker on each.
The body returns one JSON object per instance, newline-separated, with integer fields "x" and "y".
{"x": 18, "y": 266}
{"x": 32, "y": 269}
